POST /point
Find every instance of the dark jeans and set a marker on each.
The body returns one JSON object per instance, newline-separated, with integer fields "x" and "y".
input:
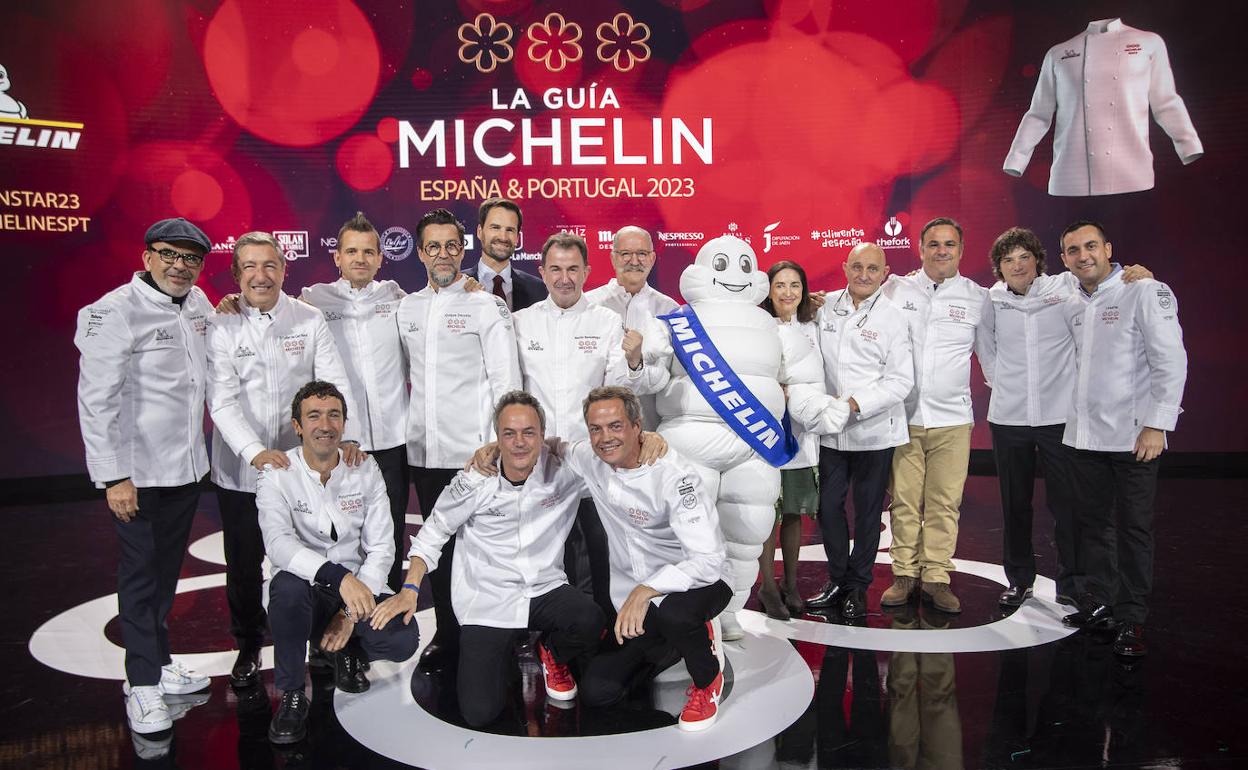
{"x": 678, "y": 624}
{"x": 1113, "y": 505}
{"x": 152, "y": 545}
{"x": 300, "y": 611}
{"x": 429, "y": 483}
{"x": 571, "y": 625}
{"x": 867, "y": 472}
{"x": 393, "y": 465}
{"x": 586, "y": 559}
{"x": 1016, "y": 449}
{"x": 244, "y": 552}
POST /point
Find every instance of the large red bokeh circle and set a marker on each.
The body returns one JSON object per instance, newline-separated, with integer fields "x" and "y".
{"x": 364, "y": 162}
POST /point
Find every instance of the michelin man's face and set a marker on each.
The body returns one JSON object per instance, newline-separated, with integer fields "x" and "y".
{"x": 725, "y": 270}
{"x": 4, "y": 79}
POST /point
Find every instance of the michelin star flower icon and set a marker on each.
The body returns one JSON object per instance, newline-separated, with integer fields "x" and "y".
{"x": 622, "y": 42}
{"x": 486, "y": 43}
{"x": 555, "y": 42}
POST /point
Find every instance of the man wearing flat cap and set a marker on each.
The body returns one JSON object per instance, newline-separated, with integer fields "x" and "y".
{"x": 141, "y": 410}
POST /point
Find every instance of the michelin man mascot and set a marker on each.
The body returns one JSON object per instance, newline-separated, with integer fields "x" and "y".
{"x": 729, "y": 419}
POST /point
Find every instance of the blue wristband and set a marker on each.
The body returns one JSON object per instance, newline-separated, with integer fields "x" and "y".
{"x": 415, "y": 588}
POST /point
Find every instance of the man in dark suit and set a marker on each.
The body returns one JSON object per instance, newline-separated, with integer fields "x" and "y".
{"x": 498, "y": 231}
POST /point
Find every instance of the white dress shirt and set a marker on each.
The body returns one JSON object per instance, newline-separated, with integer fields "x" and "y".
{"x": 141, "y": 385}
{"x": 1028, "y": 353}
{"x": 943, "y": 320}
{"x": 461, "y": 355}
{"x": 867, "y": 356}
{"x": 1102, "y": 84}
{"x": 1132, "y": 365}
{"x": 256, "y": 363}
{"x": 346, "y": 520}
{"x": 662, "y": 526}
{"x": 566, "y": 353}
{"x": 363, "y": 322}
{"x": 509, "y": 540}
{"x": 633, "y": 309}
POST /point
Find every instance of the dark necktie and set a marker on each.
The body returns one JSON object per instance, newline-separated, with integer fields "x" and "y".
{"x": 498, "y": 289}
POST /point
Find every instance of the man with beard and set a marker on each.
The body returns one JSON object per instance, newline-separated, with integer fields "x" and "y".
{"x": 498, "y": 230}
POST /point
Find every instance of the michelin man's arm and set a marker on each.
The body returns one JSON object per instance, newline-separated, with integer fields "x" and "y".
{"x": 801, "y": 372}
{"x": 656, "y": 356}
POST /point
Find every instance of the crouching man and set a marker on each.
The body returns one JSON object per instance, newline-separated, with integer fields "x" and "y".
{"x": 329, "y": 537}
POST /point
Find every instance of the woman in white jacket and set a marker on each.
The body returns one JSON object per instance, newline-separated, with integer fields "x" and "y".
{"x": 789, "y": 301}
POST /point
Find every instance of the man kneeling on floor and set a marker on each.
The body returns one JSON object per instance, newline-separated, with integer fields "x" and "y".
{"x": 329, "y": 537}
{"x": 669, "y": 572}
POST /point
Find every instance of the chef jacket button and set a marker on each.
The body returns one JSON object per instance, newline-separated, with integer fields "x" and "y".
{"x": 1111, "y": 104}
{"x": 1115, "y": 77}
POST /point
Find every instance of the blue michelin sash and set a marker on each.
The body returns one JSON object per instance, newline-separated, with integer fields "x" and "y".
{"x": 739, "y": 408}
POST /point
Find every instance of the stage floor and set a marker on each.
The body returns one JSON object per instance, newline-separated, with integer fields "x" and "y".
{"x": 912, "y": 688}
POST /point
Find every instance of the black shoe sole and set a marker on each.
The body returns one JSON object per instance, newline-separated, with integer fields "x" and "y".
{"x": 367, "y": 684}
{"x": 245, "y": 683}
{"x": 285, "y": 740}
{"x": 1013, "y": 603}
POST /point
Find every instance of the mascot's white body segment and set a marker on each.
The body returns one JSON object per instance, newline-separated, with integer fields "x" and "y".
{"x": 724, "y": 288}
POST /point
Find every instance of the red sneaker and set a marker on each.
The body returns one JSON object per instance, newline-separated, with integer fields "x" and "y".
{"x": 703, "y": 705}
{"x": 559, "y": 682}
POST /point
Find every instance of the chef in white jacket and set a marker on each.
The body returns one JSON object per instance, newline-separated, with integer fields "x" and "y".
{"x": 1102, "y": 84}
{"x": 1131, "y": 368}
{"x": 942, "y": 309}
{"x": 461, "y": 357}
{"x": 258, "y": 359}
{"x": 327, "y": 532}
{"x": 141, "y": 410}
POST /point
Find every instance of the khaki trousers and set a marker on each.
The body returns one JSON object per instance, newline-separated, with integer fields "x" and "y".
{"x": 926, "y": 486}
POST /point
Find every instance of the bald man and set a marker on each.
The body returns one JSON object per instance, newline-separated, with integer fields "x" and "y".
{"x": 866, "y": 357}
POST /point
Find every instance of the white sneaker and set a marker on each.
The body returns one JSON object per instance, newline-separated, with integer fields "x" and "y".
{"x": 177, "y": 679}
{"x": 179, "y": 705}
{"x": 731, "y": 629}
{"x": 146, "y": 711}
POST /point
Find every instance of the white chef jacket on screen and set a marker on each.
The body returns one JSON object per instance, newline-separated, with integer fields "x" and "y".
{"x": 363, "y": 322}
{"x": 566, "y": 353}
{"x": 1132, "y": 365}
{"x": 867, "y": 356}
{"x": 662, "y": 526}
{"x": 943, "y": 320}
{"x": 346, "y": 520}
{"x": 1102, "y": 84}
{"x": 461, "y": 355}
{"x": 141, "y": 385}
{"x": 1027, "y": 352}
{"x": 509, "y": 540}
{"x": 256, "y": 363}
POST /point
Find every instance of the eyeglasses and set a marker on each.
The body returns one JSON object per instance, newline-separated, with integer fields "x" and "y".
{"x": 170, "y": 257}
{"x": 433, "y": 248}
{"x": 631, "y": 255}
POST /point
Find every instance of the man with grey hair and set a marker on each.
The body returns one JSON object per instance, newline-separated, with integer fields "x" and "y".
{"x": 461, "y": 355}
{"x": 257, "y": 360}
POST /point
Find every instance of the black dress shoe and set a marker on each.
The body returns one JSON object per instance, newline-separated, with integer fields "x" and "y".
{"x": 855, "y": 604}
{"x": 349, "y": 672}
{"x": 437, "y": 655}
{"x": 246, "y": 670}
{"x": 831, "y": 595}
{"x": 1092, "y": 616}
{"x": 1014, "y": 596}
{"x": 1129, "y": 642}
{"x": 290, "y": 723}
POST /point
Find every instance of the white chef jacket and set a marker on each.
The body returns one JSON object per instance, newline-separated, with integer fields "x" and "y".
{"x": 566, "y": 353}
{"x": 508, "y": 540}
{"x": 1132, "y": 365}
{"x": 141, "y": 386}
{"x": 346, "y": 520}
{"x": 662, "y": 526}
{"x": 1027, "y": 352}
{"x": 367, "y": 336}
{"x": 257, "y": 362}
{"x": 1102, "y": 84}
{"x": 943, "y": 320}
{"x": 867, "y": 356}
{"x": 461, "y": 355}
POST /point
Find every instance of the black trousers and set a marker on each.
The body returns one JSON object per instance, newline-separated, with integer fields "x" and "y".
{"x": 429, "y": 483}
{"x": 571, "y": 625}
{"x": 300, "y": 611}
{"x": 586, "y": 558}
{"x": 867, "y": 472}
{"x": 1113, "y": 503}
{"x": 393, "y": 465}
{"x": 1016, "y": 449}
{"x": 244, "y": 553}
{"x": 677, "y": 625}
{"x": 152, "y": 545}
